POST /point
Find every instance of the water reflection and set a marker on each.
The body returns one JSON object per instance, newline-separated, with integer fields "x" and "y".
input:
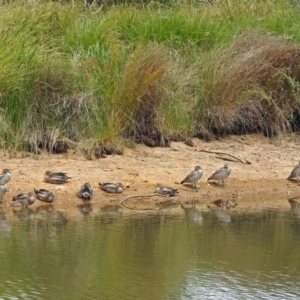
{"x": 155, "y": 255}
{"x": 192, "y": 213}
{"x": 85, "y": 209}
{"x": 114, "y": 210}
{"x": 25, "y": 214}
{"x": 222, "y": 215}
{"x": 166, "y": 205}
{"x": 109, "y": 214}
{"x": 5, "y": 226}
{"x": 44, "y": 212}
{"x": 45, "y": 220}
{"x": 295, "y": 206}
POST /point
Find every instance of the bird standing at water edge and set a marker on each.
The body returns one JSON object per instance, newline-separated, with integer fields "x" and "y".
{"x": 5, "y": 176}
{"x": 25, "y": 199}
{"x": 295, "y": 173}
{"x": 221, "y": 175}
{"x": 56, "y": 177}
{"x": 193, "y": 177}
{"x": 164, "y": 190}
{"x": 85, "y": 192}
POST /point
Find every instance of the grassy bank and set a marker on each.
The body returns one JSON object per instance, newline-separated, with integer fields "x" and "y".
{"x": 96, "y": 78}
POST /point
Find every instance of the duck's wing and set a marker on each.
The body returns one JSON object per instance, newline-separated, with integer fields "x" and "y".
{"x": 21, "y": 196}
{"x": 60, "y": 175}
{"x": 43, "y": 191}
{"x": 5, "y": 177}
{"x": 87, "y": 189}
{"x": 84, "y": 190}
{"x": 188, "y": 178}
{"x": 106, "y": 184}
{"x": 294, "y": 172}
{"x": 169, "y": 190}
{"x": 216, "y": 174}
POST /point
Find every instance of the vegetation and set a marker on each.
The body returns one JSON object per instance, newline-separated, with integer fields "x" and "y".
{"x": 95, "y": 77}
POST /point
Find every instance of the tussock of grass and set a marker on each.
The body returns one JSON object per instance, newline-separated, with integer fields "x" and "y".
{"x": 254, "y": 86}
{"x": 139, "y": 95}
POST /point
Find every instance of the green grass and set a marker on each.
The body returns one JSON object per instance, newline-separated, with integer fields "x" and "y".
{"x": 101, "y": 75}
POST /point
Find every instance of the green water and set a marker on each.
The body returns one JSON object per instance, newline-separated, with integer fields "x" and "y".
{"x": 45, "y": 254}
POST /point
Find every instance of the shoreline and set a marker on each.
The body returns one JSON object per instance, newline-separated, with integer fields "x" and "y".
{"x": 141, "y": 168}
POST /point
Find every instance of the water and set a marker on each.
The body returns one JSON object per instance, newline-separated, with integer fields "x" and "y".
{"x": 109, "y": 254}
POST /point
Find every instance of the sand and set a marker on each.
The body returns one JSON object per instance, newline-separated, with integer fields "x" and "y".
{"x": 260, "y": 184}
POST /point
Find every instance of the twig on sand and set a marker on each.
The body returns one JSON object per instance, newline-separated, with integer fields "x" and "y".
{"x": 229, "y": 158}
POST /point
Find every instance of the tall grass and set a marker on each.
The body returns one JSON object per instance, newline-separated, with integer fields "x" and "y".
{"x": 92, "y": 77}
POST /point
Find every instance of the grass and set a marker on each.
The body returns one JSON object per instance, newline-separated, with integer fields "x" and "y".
{"x": 97, "y": 76}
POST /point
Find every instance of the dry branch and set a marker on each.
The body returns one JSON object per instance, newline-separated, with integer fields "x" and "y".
{"x": 229, "y": 158}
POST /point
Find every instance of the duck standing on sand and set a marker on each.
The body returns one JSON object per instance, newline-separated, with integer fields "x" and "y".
{"x": 25, "y": 199}
{"x": 295, "y": 173}
{"x": 109, "y": 187}
{"x": 166, "y": 191}
{"x": 5, "y": 176}
{"x": 56, "y": 177}
{"x": 44, "y": 195}
{"x": 85, "y": 192}
{"x": 221, "y": 174}
{"x": 193, "y": 177}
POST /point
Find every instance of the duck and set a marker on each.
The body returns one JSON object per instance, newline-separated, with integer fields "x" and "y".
{"x": 109, "y": 187}
{"x": 164, "y": 190}
{"x": 193, "y": 177}
{"x": 3, "y": 190}
{"x": 5, "y": 176}
{"x": 44, "y": 195}
{"x": 25, "y": 199}
{"x": 295, "y": 173}
{"x": 220, "y": 175}
{"x": 56, "y": 177}
{"x": 85, "y": 192}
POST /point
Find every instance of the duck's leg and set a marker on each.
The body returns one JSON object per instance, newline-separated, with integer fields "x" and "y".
{"x": 195, "y": 188}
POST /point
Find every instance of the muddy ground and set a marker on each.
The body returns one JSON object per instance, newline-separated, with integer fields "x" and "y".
{"x": 262, "y": 183}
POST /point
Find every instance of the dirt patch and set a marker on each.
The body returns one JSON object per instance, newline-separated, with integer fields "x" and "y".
{"x": 261, "y": 183}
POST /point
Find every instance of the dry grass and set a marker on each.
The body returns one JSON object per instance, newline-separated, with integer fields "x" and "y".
{"x": 140, "y": 93}
{"x": 254, "y": 86}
